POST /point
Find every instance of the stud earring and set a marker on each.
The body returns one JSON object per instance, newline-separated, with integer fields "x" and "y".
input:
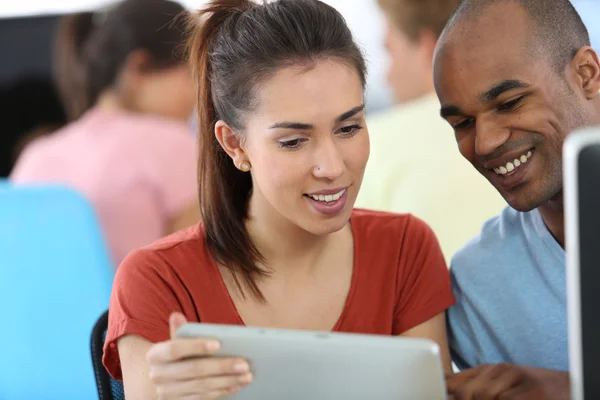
{"x": 245, "y": 166}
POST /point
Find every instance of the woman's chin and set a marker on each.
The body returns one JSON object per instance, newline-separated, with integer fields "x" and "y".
{"x": 326, "y": 226}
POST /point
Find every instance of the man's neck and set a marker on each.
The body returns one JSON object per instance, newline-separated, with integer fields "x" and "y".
{"x": 554, "y": 217}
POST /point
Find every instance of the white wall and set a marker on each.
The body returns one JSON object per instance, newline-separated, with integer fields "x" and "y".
{"x": 366, "y": 22}
{"x": 590, "y": 13}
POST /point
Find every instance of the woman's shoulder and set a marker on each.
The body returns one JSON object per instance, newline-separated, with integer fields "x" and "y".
{"x": 192, "y": 236}
{"x": 171, "y": 255}
{"x": 400, "y": 258}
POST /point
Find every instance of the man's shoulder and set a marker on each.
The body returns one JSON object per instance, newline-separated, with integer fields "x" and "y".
{"x": 492, "y": 247}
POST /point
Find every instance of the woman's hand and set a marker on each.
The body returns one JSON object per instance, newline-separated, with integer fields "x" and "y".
{"x": 184, "y": 368}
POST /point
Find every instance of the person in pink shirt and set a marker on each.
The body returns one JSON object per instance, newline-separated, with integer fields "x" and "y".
{"x": 129, "y": 149}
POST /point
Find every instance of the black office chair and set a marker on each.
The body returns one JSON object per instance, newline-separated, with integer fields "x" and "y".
{"x": 108, "y": 388}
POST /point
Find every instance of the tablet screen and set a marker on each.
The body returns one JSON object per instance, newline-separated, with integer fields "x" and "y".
{"x": 589, "y": 250}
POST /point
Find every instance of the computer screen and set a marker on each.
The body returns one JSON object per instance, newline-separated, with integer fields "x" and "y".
{"x": 582, "y": 216}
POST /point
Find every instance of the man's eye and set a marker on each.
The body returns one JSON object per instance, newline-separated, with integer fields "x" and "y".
{"x": 509, "y": 105}
{"x": 463, "y": 124}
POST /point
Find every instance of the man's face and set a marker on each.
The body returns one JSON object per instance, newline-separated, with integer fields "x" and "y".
{"x": 510, "y": 109}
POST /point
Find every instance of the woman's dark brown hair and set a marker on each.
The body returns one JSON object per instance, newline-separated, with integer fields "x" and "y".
{"x": 92, "y": 48}
{"x": 235, "y": 45}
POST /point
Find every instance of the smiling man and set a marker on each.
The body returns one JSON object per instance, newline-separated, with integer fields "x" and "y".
{"x": 514, "y": 77}
{"x": 414, "y": 166}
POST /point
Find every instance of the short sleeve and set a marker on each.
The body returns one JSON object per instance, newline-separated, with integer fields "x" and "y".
{"x": 141, "y": 302}
{"x": 462, "y": 342}
{"x": 424, "y": 280}
{"x": 175, "y": 164}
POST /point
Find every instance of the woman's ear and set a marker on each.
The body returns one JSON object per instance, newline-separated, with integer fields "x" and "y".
{"x": 231, "y": 143}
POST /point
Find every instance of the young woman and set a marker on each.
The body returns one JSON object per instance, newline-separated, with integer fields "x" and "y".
{"x": 125, "y": 85}
{"x": 283, "y": 150}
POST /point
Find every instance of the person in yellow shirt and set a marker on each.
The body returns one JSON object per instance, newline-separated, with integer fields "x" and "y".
{"x": 415, "y": 166}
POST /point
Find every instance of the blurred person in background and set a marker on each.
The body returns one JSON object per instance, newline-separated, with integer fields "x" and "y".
{"x": 414, "y": 165}
{"x": 128, "y": 149}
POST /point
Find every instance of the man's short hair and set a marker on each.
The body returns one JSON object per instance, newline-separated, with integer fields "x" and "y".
{"x": 558, "y": 30}
{"x": 414, "y": 16}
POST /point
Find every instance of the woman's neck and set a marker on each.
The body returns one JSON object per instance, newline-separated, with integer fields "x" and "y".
{"x": 286, "y": 247}
{"x": 109, "y": 101}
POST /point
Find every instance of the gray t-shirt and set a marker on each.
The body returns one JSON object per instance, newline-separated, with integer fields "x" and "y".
{"x": 510, "y": 290}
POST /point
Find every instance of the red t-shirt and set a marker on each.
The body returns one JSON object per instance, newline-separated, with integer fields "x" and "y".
{"x": 399, "y": 281}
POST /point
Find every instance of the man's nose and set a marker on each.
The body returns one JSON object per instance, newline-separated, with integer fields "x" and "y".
{"x": 489, "y": 136}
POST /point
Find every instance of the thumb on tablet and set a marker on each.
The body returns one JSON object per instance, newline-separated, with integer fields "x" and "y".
{"x": 175, "y": 321}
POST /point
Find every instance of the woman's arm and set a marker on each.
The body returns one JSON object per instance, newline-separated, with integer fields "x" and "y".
{"x": 135, "y": 369}
{"x": 434, "y": 329}
{"x": 179, "y": 369}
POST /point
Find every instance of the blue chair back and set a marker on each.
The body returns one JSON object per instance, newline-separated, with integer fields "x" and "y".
{"x": 108, "y": 388}
{"x": 55, "y": 279}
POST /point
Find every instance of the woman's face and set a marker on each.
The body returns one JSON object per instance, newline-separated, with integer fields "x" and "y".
{"x": 308, "y": 146}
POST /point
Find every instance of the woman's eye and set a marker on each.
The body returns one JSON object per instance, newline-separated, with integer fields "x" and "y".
{"x": 291, "y": 144}
{"x": 350, "y": 130}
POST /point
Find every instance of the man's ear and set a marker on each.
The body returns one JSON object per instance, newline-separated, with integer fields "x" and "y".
{"x": 587, "y": 70}
{"x": 231, "y": 143}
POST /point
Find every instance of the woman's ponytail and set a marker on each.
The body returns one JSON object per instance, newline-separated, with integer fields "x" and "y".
{"x": 73, "y": 32}
{"x": 224, "y": 191}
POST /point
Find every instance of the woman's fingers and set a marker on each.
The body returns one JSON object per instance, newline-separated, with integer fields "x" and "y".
{"x": 218, "y": 394}
{"x": 210, "y": 388}
{"x": 176, "y": 319}
{"x": 179, "y": 349}
{"x": 187, "y": 369}
{"x": 198, "y": 368}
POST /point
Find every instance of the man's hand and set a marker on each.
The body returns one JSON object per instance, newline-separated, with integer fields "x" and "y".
{"x": 508, "y": 382}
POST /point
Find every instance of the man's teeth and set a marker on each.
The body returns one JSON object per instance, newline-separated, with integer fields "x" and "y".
{"x": 327, "y": 198}
{"x": 511, "y": 165}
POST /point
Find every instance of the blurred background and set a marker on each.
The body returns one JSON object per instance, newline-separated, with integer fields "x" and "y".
{"x": 61, "y": 246}
{"x": 28, "y": 98}
{"x": 27, "y": 31}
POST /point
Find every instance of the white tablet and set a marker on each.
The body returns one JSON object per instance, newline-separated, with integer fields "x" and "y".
{"x": 305, "y": 365}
